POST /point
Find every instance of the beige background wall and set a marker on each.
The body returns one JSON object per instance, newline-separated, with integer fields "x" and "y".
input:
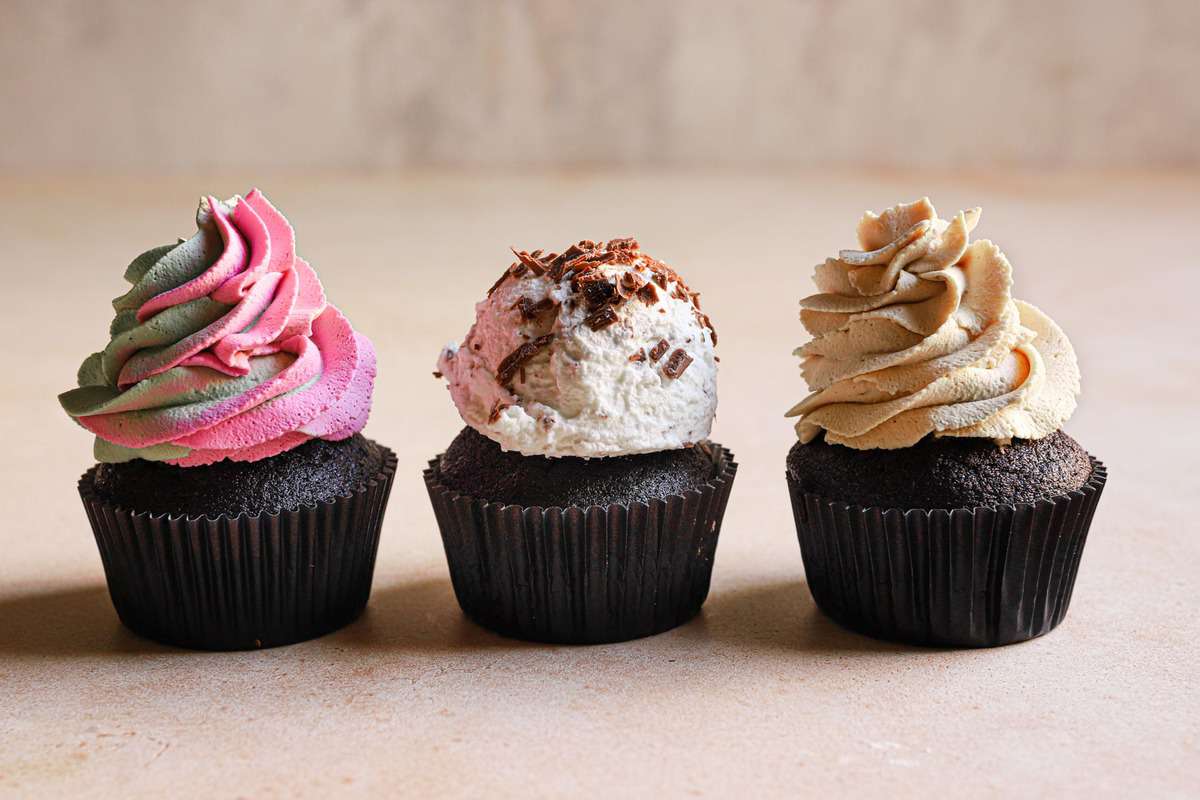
{"x": 108, "y": 85}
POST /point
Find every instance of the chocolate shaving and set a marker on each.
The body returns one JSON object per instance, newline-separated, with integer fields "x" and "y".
{"x": 497, "y": 408}
{"x": 626, "y": 243}
{"x": 606, "y": 316}
{"x": 531, "y": 310}
{"x": 676, "y": 364}
{"x": 657, "y": 351}
{"x": 517, "y": 358}
{"x": 629, "y": 285}
{"x": 499, "y": 281}
{"x": 704, "y": 319}
{"x": 648, "y": 294}
{"x": 530, "y": 261}
{"x": 661, "y": 279}
{"x": 437, "y": 374}
{"x": 640, "y": 355}
{"x": 596, "y": 290}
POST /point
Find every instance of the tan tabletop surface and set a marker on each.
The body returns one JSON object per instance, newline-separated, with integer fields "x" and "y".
{"x": 760, "y": 695}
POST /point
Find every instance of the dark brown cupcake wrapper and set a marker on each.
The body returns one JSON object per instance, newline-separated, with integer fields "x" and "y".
{"x": 969, "y": 577}
{"x": 582, "y": 575}
{"x": 244, "y": 582}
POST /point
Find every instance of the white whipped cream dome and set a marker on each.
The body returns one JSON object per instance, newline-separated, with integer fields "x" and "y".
{"x": 598, "y": 351}
{"x": 917, "y": 333}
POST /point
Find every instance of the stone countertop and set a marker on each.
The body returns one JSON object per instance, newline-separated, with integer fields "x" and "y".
{"x": 760, "y": 695}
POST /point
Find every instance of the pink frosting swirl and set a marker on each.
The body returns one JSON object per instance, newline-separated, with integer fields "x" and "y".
{"x": 225, "y": 347}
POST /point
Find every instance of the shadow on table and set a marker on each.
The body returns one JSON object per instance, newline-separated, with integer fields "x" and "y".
{"x": 420, "y": 616}
{"x": 423, "y": 616}
{"x": 781, "y": 615}
{"x": 75, "y": 621}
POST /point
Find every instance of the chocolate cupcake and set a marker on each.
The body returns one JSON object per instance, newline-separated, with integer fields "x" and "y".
{"x": 936, "y": 499}
{"x": 582, "y": 502}
{"x": 236, "y": 503}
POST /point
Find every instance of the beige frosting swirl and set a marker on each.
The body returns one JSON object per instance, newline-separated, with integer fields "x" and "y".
{"x": 917, "y": 333}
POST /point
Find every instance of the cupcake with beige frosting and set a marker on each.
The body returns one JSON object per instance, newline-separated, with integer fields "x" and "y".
{"x": 930, "y": 445}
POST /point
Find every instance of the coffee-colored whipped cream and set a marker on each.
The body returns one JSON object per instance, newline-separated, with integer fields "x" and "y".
{"x": 918, "y": 333}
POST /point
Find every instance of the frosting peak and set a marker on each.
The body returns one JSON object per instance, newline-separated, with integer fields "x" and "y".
{"x": 224, "y": 347}
{"x": 917, "y": 333}
{"x": 598, "y": 351}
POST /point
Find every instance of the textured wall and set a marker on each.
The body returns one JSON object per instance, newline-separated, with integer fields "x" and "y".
{"x": 365, "y": 83}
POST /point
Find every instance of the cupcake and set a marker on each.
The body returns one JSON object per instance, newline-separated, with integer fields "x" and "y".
{"x": 235, "y": 503}
{"x": 936, "y": 497}
{"x": 582, "y": 501}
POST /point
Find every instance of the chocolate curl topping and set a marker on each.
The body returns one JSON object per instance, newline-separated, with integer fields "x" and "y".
{"x": 676, "y": 364}
{"x": 657, "y": 351}
{"x": 513, "y": 362}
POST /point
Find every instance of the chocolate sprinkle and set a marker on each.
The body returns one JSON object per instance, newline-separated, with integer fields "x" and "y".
{"x": 676, "y": 364}
{"x": 517, "y": 358}
{"x": 657, "y": 351}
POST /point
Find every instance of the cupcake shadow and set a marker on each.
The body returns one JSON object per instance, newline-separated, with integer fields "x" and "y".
{"x": 78, "y": 621}
{"x": 781, "y": 616}
{"x": 419, "y": 616}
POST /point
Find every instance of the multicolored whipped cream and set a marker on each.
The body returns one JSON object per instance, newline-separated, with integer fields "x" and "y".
{"x": 225, "y": 347}
{"x": 917, "y": 333}
{"x": 597, "y": 351}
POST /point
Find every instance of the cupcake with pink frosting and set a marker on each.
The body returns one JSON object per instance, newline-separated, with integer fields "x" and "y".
{"x": 236, "y": 503}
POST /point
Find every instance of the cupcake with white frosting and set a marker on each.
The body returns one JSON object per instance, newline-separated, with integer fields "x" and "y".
{"x": 936, "y": 497}
{"x": 582, "y": 501}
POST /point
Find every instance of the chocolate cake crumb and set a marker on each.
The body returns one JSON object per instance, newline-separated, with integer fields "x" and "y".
{"x": 657, "y": 351}
{"x": 477, "y": 466}
{"x": 517, "y": 358}
{"x": 316, "y": 471}
{"x": 942, "y": 472}
{"x": 676, "y": 364}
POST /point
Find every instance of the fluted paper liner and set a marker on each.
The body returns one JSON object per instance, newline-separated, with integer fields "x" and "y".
{"x": 583, "y": 575}
{"x": 237, "y": 583}
{"x": 970, "y": 577}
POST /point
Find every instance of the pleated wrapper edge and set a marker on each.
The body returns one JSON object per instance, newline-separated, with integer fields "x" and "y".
{"x": 968, "y": 577}
{"x": 241, "y": 582}
{"x": 583, "y": 575}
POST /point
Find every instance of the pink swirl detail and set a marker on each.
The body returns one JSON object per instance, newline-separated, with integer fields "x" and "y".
{"x": 278, "y": 306}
